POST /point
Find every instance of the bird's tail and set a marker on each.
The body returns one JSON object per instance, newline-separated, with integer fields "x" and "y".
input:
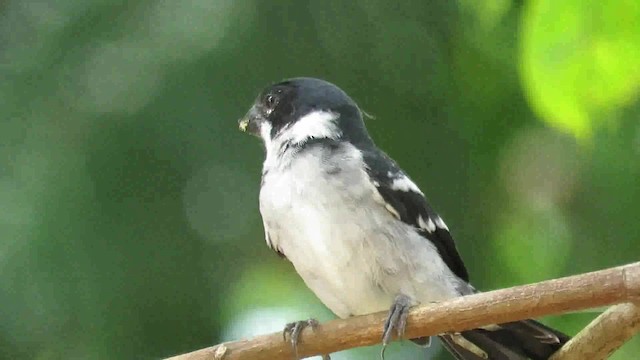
{"x": 521, "y": 340}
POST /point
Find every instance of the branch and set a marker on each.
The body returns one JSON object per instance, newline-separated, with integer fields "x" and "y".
{"x": 603, "y": 335}
{"x": 606, "y": 287}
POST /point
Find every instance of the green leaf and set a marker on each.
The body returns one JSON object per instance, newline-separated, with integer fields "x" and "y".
{"x": 580, "y": 60}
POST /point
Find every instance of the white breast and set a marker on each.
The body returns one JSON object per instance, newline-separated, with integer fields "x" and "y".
{"x": 327, "y": 218}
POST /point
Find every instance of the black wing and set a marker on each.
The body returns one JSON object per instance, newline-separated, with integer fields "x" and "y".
{"x": 405, "y": 201}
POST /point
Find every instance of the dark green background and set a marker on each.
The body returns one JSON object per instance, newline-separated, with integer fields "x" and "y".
{"x": 129, "y": 225}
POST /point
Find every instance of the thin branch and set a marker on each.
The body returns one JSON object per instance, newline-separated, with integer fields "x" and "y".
{"x": 606, "y": 287}
{"x": 604, "y": 335}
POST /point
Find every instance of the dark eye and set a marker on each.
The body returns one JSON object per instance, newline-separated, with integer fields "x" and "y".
{"x": 271, "y": 100}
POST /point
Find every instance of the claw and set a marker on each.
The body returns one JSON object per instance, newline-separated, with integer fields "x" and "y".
{"x": 397, "y": 320}
{"x": 294, "y": 329}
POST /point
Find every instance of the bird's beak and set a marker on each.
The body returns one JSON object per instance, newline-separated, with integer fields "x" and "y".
{"x": 250, "y": 123}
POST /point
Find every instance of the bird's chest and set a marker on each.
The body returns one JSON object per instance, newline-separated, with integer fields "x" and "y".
{"x": 316, "y": 214}
{"x": 315, "y": 207}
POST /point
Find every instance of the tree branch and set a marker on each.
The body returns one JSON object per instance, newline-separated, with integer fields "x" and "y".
{"x": 604, "y": 335}
{"x": 606, "y": 287}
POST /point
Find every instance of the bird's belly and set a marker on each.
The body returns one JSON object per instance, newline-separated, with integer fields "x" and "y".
{"x": 333, "y": 256}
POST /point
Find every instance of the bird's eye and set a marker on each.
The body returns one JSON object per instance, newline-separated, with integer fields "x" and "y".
{"x": 271, "y": 100}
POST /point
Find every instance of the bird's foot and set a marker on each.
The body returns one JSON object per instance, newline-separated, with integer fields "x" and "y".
{"x": 293, "y": 331}
{"x": 397, "y": 320}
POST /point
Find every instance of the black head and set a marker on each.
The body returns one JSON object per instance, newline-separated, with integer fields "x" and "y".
{"x": 299, "y": 109}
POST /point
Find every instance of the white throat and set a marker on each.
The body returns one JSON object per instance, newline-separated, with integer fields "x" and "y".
{"x": 319, "y": 124}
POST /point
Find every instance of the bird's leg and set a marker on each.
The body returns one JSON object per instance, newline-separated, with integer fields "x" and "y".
{"x": 294, "y": 329}
{"x": 397, "y": 320}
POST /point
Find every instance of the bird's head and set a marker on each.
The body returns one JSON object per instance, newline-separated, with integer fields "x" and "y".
{"x": 297, "y": 110}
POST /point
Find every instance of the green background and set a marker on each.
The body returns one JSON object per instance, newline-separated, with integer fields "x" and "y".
{"x": 129, "y": 223}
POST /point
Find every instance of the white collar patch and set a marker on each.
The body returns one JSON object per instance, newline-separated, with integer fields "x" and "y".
{"x": 315, "y": 125}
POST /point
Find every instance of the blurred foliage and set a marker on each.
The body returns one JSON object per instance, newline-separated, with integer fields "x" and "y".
{"x": 130, "y": 226}
{"x": 581, "y": 59}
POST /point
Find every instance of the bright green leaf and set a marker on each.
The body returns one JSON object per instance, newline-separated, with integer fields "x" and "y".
{"x": 580, "y": 59}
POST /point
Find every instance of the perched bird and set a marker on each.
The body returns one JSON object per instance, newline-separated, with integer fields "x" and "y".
{"x": 356, "y": 228}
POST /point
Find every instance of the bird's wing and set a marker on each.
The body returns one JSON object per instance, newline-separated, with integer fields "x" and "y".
{"x": 404, "y": 200}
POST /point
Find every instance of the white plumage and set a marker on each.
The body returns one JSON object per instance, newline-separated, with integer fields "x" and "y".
{"x": 350, "y": 250}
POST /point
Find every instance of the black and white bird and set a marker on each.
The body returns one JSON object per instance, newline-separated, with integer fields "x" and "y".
{"x": 357, "y": 230}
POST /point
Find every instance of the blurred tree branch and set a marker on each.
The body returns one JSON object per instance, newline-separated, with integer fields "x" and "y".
{"x": 604, "y": 335}
{"x": 600, "y": 288}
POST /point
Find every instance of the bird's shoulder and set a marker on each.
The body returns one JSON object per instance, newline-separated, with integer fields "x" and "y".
{"x": 404, "y": 200}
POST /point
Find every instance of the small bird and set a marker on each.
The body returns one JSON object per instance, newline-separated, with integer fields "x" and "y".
{"x": 357, "y": 229}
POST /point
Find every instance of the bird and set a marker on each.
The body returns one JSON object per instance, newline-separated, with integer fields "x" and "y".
{"x": 359, "y": 232}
